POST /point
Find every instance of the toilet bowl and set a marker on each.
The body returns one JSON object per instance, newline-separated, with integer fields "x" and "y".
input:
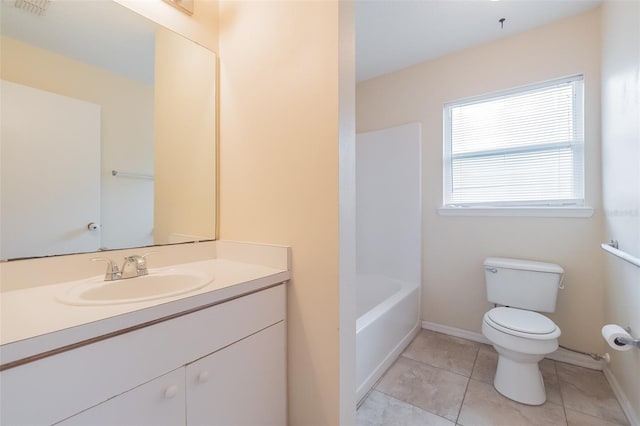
{"x": 522, "y": 338}
{"x": 517, "y": 331}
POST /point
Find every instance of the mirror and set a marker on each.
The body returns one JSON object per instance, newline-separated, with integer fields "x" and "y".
{"x": 107, "y": 131}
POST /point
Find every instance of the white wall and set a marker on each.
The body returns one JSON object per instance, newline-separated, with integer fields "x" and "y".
{"x": 388, "y": 203}
{"x": 454, "y": 247}
{"x": 621, "y": 184}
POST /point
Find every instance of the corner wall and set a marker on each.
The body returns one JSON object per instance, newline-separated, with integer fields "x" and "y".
{"x": 279, "y": 178}
{"x": 454, "y": 247}
{"x": 621, "y": 187}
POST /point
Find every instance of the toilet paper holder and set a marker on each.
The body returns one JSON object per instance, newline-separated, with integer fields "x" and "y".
{"x": 623, "y": 341}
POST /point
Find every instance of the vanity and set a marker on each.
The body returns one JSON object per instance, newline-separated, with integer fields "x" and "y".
{"x": 213, "y": 355}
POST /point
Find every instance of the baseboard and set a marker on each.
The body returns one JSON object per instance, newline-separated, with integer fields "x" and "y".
{"x": 622, "y": 397}
{"x": 456, "y": 332}
{"x": 569, "y": 357}
{"x": 561, "y": 354}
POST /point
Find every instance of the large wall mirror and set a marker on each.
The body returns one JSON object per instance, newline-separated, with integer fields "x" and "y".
{"x": 107, "y": 131}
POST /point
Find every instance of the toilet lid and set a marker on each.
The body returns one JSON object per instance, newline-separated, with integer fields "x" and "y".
{"x": 522, "y": 321}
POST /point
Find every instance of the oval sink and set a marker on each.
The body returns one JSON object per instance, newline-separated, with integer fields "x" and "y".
{"x": 156, "y": 285}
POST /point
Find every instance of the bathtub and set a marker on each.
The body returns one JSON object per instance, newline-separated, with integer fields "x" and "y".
{"x": 387, "y": 320}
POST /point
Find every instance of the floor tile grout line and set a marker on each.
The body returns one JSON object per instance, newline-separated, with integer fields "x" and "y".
{"x": 466, "y": 389}
{"x": 439, "y": 368}
{"x": 415, "y": 406}
{"x": 564, "y": 407}
{"x": 409, "y": 403}
{"x": 476, "y": 346}
{"x": 576, "y": 409}
{"x": 430, "y": 366}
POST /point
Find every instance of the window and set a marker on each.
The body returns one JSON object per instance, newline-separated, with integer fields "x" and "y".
{"x": 519, "y": 148}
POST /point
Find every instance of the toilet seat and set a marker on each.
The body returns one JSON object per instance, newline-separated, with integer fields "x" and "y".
{"x": 522, "y": 323}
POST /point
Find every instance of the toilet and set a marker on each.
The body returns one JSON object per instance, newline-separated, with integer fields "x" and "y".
{"x": 521, "y": 336}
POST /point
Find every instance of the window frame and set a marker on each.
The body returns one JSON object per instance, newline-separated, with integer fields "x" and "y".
{"x": 558, "y": 208}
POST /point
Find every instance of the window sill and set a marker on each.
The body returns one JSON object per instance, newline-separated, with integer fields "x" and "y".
{"x": 573, "y": 212}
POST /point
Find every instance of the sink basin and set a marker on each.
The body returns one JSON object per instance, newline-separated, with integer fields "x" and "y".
{"x": 159, "y": 284}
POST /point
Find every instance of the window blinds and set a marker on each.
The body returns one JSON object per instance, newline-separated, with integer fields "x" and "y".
{"x": 516, "y": 148}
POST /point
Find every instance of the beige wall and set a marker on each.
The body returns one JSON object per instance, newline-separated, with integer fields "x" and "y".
{"x": 185, "y": 149}
{"x": 621, "y": 183}
{"x": 202, "y": 27}
{"x": 454, "y": 247}
{"x": 179, "y": 99}
{"x": 279, "y": 130}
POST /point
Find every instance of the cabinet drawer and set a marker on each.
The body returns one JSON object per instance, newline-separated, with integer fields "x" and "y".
{"x": 54, "y": 388}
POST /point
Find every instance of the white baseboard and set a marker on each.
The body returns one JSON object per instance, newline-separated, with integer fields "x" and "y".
{"x": 456, "y": 332}
{"x": 561, "y": 354}
{"x": 622, "y": 397}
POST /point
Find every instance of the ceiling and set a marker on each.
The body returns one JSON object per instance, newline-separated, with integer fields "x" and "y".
{"x": 101, "y": 33}
{"x": 390, "y": 34}
{"x": 395, "y": 34}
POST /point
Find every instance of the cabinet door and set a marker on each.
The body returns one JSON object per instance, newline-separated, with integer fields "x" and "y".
{"x": 155, "y": 403}
{"x": 242, "y": 384}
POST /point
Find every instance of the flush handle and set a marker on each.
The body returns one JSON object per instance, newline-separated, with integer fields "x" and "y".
{"x": 492, "y": 270}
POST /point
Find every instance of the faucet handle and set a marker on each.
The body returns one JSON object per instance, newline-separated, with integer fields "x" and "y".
{"x": 113, "y": 273}
{"x": 135, "y": 259}
{"x": 144, "y": 256}
{"x": 138, "y": 262}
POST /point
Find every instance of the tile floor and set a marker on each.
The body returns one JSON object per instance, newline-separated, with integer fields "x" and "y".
{"x": 445, "y": 380}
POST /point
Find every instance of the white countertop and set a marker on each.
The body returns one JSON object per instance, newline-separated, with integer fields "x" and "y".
{"x": 33, "y": 321}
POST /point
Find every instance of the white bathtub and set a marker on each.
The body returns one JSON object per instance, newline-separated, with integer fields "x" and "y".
{"x": 388, "y": 319}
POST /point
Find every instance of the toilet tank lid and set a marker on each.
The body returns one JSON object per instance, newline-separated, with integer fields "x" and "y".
{"x": 526, "y": 265}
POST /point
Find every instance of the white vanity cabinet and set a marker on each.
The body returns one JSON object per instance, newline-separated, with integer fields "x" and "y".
{"x": 221, "y": 364}
{"x": 243, "y": 384}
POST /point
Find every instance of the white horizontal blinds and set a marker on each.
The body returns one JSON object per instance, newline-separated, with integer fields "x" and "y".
{"x": 523, "y": 147}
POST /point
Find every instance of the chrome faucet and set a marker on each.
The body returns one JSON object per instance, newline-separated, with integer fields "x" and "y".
{"x": 133, "y": 266}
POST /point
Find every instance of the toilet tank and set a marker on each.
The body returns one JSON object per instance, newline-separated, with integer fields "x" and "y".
{"x": 522, "y": 284}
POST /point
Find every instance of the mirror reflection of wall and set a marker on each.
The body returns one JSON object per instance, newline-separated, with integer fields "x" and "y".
{"x": 102, "y": 53}
{"x": 185, "y": 92}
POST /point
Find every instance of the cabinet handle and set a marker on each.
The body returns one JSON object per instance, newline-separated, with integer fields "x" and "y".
{"x": 203, "y": 377}
{"x": 170, "y": 392}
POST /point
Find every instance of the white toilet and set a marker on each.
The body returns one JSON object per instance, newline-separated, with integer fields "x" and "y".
{"x": 521, "y": 337}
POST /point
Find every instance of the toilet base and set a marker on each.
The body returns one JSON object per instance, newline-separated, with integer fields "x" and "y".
{"x": 520, "y": 380}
